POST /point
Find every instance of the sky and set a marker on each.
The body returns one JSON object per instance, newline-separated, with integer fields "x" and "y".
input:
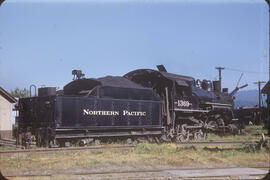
{"x": 41, "y": 42}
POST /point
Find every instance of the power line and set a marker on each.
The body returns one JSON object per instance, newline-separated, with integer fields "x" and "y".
{"x": 245, "y": 71}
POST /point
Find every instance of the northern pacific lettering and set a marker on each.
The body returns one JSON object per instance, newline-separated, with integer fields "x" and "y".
{"x": 88, "y": 112}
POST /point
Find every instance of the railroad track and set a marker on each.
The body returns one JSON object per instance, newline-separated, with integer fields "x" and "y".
{"x": 7, "y": 142}
{"x": 65, "y": 149}
{"x": 216, "y": 143}
{"x": 122, "y": 147}
{"x": 165, "y": 173}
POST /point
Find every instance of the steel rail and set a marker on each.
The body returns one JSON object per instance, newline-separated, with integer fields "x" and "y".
{"x": 7, "y": 140}
{"x": 6, "y": 144}
{"x": 216, "y": 143}
{"x": 65, "y": 149}
{"x": 124, "y": 146}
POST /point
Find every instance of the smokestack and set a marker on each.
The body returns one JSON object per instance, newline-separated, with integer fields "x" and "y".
{"x": 219, "y": 74}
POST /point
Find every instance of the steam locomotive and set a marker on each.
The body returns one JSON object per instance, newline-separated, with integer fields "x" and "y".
{"x": 143, "y": 103}
{"x": 190, "y": 108}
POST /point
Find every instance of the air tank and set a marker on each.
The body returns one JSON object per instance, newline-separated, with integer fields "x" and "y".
{"x": 46, "y": 91}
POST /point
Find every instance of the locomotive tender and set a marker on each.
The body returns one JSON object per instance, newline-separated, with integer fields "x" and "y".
{"x": 143, "y": 102}
{"x": 91, "y": 108}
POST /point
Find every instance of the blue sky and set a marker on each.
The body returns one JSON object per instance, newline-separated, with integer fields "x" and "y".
{"x": 42, "y": 41}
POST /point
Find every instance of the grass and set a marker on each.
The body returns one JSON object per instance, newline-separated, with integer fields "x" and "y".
{"x": 6, "y": 147}
{"x": 250, "y": 133}
{"x": 143, "y": 155}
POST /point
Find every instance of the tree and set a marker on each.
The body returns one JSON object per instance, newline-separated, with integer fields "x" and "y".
{"x": 20, "y": 93}
{"x": 1, "y": 1}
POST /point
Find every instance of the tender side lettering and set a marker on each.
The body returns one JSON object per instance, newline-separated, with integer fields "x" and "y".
{"x": 103, "y": 113}
{"x": 88, "y": 112}
{"x": 133, "y": 113}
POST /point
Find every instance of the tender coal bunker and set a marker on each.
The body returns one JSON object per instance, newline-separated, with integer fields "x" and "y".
{"x": 127, "y": 93}
{"x": 75, "y": 87}
{"x": 117, "y": 81}
{"x": 110, "y": 87}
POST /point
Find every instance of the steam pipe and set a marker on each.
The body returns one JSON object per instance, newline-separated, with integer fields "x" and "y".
{"x": 237, "y": 89}
{"x": 32, "y": 85}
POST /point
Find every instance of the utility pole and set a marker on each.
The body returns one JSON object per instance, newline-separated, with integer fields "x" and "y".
{"x": 259, "y": 83}
{"x": 268, "y": 2}
{"x": 268, "y": 95}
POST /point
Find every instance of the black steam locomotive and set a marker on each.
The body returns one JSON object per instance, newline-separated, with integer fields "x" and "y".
{"x": 143, "y": 103}
{"x": 190, "y": 108}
